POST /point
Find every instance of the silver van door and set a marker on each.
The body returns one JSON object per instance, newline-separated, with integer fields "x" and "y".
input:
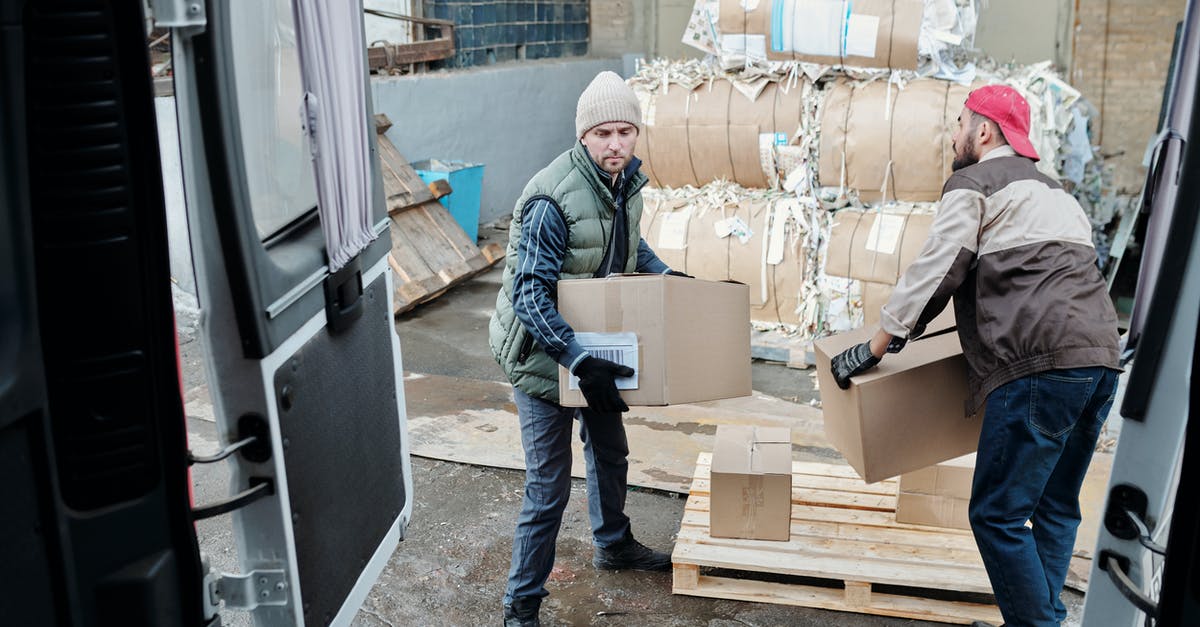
{"x": 301, "y": 351}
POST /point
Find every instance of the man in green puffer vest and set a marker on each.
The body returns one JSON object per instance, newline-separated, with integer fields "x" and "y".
{"x": 577, "y": 218}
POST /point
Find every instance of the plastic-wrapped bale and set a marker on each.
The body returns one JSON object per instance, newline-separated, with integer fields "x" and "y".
{"x": 890, "y": 142}
{"x": 865, "y": 33}
{"x": 754, "y": 240}
{"x": 715, "y": 132}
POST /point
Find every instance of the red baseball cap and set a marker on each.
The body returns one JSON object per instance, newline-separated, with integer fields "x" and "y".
{"x": 1009, "y": 110}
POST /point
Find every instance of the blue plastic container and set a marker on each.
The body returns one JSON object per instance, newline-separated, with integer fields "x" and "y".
{"x": 466, "y": 183}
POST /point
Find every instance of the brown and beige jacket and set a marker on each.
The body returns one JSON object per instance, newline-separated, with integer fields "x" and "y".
{"x": 1015, "y": 251}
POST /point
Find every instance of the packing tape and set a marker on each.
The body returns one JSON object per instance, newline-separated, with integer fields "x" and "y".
{"x": 613, "y": 309}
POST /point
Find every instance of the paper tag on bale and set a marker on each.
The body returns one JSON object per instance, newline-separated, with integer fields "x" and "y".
{"x": 673, "y": 235}
{"x": 885, "y": 233}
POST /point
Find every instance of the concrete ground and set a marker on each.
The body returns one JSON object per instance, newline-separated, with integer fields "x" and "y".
{"x": 451, "y": 569}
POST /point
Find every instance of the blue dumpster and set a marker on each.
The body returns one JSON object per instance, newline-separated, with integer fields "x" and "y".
{"x": 466, "y": 183}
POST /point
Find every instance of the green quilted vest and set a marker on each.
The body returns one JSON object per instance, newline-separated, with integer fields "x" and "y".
{"x": 588, "y": 207}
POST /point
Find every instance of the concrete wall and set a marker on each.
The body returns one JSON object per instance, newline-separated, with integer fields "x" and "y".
{"x": 1026, "y": 31}
{"x": 1122, "y": 52}
{"x": 514, "y": 118}
{"x": 652, "y": 28}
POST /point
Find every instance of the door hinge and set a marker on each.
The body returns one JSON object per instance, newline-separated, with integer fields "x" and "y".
{"x": 178, "y": 13}
{"x": 251, "y": 590}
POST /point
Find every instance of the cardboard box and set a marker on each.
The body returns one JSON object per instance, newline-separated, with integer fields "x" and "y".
{"x": 949, "y": 478}
{"x": 906, "y": 413}
{"x": 939, "y": 495}
{"x": 751, "y": 484}
{"x": 693, "y": 336}
{"x": 934, "y": 511}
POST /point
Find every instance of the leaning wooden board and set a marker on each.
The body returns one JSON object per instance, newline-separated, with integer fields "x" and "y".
{"x": 845, "y": 533}
{"x": 430, "y": 251}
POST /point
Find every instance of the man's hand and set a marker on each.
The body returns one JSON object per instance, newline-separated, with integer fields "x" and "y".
{"x": 597, "y": 381}
{"x": 854, "y": 360}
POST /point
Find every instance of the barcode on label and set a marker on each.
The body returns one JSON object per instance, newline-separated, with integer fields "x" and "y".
{"x": 612, "y": 354}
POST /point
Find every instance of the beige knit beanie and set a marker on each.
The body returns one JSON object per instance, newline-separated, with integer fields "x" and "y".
{"x": 606, "y": 99}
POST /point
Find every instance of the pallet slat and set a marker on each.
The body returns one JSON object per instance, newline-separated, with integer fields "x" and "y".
{"x": 843, "y": 532}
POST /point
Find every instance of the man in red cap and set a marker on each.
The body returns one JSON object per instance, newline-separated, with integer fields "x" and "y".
{"x": 1039, "y": 334}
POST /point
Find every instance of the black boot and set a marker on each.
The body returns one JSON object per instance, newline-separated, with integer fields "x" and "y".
{"x": 629, "y": 554}
{"x": 523, "y": 612}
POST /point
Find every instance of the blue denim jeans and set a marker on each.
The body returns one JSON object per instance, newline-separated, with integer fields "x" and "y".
{"x": 1036, "y": 444}
{"x": 546, "y": 436}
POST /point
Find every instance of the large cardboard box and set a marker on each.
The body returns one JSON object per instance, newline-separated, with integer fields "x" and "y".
{"x": 751, "y": 483}
{"x": 907, "y": 413}
{"x": 693, "y": 336}
{"x": 938, "y": 495}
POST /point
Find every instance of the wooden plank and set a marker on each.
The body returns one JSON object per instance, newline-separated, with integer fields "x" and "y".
{"x": 492, "y": 253}
{"x": 697, "y": 523}
{"x": 899, "y": 606}
{"x": 430, "y": 243}
{"x": 402, "y": 186}
{"x": 394, "y": 55}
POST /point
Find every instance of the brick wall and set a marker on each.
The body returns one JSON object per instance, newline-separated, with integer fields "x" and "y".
{"x": 1122, "y": 50}
{"x": 487, "y": 31}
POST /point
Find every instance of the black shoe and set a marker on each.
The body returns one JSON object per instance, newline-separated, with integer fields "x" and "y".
{"x": 523, "y": 612}
{"x": 629, "y": 554}
{"x": 980, "y": 623}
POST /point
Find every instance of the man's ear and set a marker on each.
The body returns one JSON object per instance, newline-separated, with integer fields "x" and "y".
{"x": 987, "y": 131}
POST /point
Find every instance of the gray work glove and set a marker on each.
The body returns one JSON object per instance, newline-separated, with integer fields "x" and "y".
{"x": 853, "y": 361}
{"x": 597, "y": 381}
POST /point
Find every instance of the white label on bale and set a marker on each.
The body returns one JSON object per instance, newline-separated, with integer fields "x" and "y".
{"x": 885, "y": 233}
{"x": 621, "y": 348}
{"x": 861, "y": 33}
{"x": 776, "y": 242}
{"x": 815, "y": 27}
{"x": 673, "y": 235}
{"x": 749, "y": 5}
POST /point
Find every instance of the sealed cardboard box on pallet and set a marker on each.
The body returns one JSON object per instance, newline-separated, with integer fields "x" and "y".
{"x": 751, "y": 483}
{"x": 937, "y": 495}
{"x": 691, "y": 337}
{"x": 907, "y": 413}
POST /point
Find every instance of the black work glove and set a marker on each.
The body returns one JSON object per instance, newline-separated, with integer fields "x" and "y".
{"x": 678, "y": 273}
{"x": 854, "y": 360}
{"x": 597, "y": 381}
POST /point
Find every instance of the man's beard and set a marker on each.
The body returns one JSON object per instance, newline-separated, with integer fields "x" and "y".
{"x": 966, "y": 157}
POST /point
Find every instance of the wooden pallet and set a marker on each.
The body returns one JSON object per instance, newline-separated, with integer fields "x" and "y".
{"x": 776, "y": 346}
{"x": 844, "y": 532}
{"x": 430, "y": 252}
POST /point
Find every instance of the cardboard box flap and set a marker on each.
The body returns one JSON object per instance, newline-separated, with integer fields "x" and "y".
{"x": 741, "y": 449}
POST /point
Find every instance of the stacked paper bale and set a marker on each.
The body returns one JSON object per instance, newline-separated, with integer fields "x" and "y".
{"x": 812, "y": 180}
